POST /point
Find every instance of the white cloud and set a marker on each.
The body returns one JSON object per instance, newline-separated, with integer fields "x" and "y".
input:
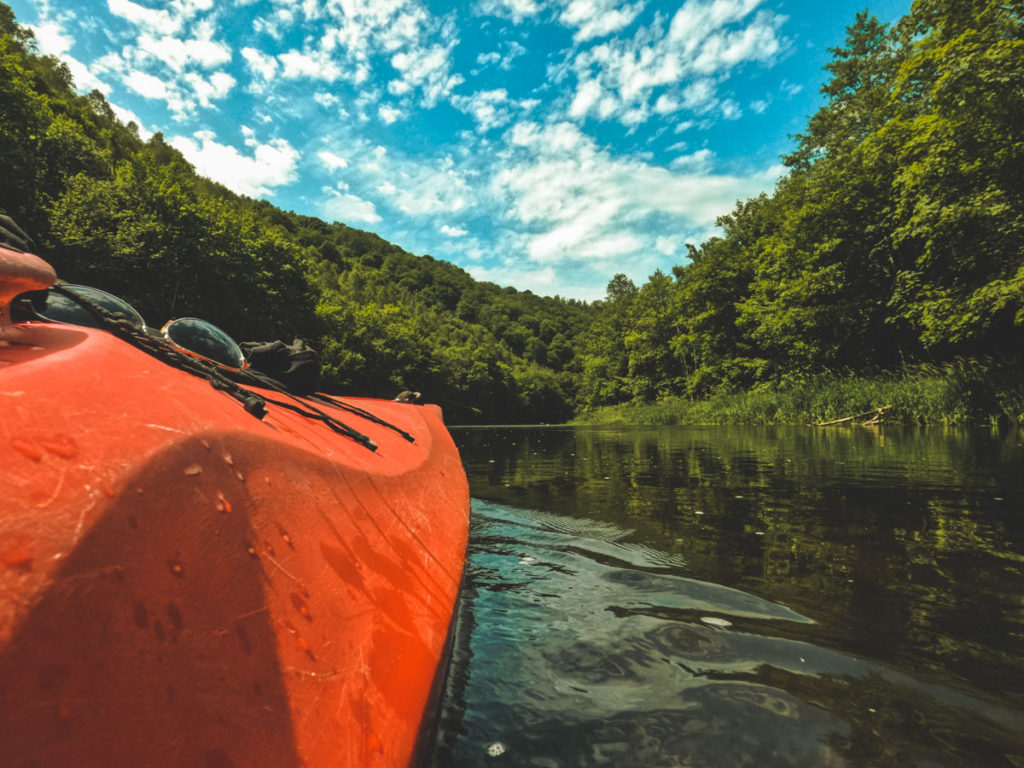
{"x": 126, "y": 116}
{"x": 260, "y": 64}
{"x": 325, "y": 99}
{"x": 174, "y": 57}
{"x": 579, "y": 203}
{"x": 490, "y": 109}
{"x": 217, "y": 86}
{"x": 53, "y": 40}
{"x": 268, "y": 26}
{"x": 346, "y": 207}
{"x": 146, "y": 85}
{"x": 587, "y": 95}
{"x": 698, "y": 162}
{"x": 160, "y": 21}
{"x": 200, "y": 50}
{"x": 790, "y": 89}
{"x": 389, "y": 114}
{"x": 413, "y": 187}
{"x": 516, "y": 10}
{"x": 453, "y": 231}
{"x": 315, "y": 65}
{"x": 598, "y": 18}
{"x": 271, "y": 165}
{"x": 667, "y": 245}
{"x": 705, "y": 40}
{"x": 505, "y": 62}
{"x": 666, "y": 104}
{"x": 371, "y": 41}
{"x": 331, "y": 161}
{"x": 428, "y": 69}
{"x": 543, "y": 280}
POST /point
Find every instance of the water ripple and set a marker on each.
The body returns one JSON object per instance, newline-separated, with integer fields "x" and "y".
{"x": 578, "y": 647}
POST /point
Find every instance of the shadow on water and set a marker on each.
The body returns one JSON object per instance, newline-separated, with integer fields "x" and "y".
{"x": 735, "y": 597}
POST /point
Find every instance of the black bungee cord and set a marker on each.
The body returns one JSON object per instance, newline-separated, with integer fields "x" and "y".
{"x": 221, "y": 379}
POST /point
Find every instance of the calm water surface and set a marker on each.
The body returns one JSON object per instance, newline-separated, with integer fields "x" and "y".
{"x": 739, "y": 597}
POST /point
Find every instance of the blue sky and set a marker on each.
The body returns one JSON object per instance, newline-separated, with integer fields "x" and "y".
{"x": 544, "y": 144}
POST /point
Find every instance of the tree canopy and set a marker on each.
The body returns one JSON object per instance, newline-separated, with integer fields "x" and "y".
{"x": 896, "y": 237}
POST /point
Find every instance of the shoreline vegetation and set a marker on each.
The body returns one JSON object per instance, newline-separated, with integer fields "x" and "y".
{"x": 962, "y": 393}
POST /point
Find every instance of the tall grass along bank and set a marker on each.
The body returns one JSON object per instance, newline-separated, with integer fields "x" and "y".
{"x": 964, "y": 392}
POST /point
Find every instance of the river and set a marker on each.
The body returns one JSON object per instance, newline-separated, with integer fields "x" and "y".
{"x": 727, "y": 596}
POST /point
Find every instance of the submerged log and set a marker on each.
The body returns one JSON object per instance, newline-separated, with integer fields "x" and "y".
{"x": 875, "y": 413}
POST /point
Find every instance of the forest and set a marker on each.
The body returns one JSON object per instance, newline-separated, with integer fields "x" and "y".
{"x": 893, "y": 246}
{"x": 891, "y": 249}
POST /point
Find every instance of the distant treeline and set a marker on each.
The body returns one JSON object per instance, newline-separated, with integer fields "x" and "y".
{"x": 895, "y": 240}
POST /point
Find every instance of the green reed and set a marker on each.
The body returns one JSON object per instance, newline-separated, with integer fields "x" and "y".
{"x": 962, "y": 392}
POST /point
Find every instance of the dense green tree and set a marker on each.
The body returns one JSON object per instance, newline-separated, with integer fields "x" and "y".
{"x": 955, "y": 131}
{"x": 603, "y": 356}
{"x": 896, "y": 237}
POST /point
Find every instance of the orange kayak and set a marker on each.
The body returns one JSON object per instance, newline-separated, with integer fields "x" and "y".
{"x": 182, "y": 583}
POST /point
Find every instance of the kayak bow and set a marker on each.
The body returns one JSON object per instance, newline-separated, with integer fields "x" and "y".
{"x": 184, "y": 584}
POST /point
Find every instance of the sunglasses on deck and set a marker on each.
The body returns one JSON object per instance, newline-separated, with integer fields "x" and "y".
{"x": 191, "y": 335}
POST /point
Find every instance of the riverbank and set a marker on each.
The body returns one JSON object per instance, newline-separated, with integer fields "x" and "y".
{"x": 963, "y": 393}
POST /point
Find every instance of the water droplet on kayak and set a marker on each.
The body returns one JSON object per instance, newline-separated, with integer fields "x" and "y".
{"x": 714, "y": 621}
{"x": 496, "y": 749}
{"x": 60, "y": 445}
{"x": 16, "y": 553}
{"x": 193, "y": 469}
{"x": 284, "y": 535}
{"x": 176, "y": 568}
{"x": 300, "y": 606}
{"x": 28, "y": 449}
{"x": 228, "y": 460}
{"x": 270, "y": 548}
{"x": 205, "y": 444}
{"x": 222, "y": 505}
{"x": 240, "y": 476}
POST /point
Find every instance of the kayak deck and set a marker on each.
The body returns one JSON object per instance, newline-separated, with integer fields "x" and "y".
{"x": 182, "y": 583}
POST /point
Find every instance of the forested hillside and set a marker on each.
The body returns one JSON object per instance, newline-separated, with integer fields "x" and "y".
{"x": 896, "y": 238}
{"x": 134, "y": 218}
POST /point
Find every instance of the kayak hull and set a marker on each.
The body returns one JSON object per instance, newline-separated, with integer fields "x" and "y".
{"x": 184, "y": 584}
